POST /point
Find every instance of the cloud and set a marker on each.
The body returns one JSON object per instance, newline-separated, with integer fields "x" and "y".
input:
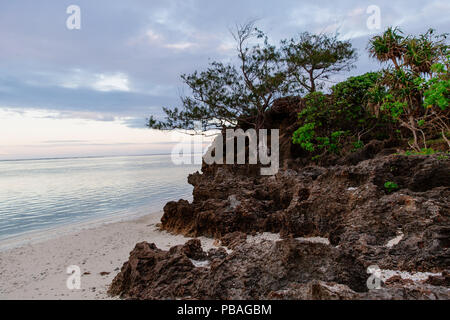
{"x": 126, "y": 59}
{"x": 115, "y": 82}
{"x": 98, "y": 85}
{"x": 78, "y": 78}
{"x": 180, "y": 45}
{"x": 102, "y": 98}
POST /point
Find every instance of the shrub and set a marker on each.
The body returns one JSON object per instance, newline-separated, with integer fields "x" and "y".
{"x": 390, "y": 186}
{"x": 422, "y": 152}
{"x": 316, "y": 133}
{"x": 341, "y": 120}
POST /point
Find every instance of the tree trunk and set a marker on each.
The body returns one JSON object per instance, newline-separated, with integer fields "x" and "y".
{"x": 311, "y": 80}
{"x": 414, "y": 131}
{"x": 445, "y": 138}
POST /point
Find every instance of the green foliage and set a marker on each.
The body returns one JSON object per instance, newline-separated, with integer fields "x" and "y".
{"x": 357, "y": 145}
{"x": 354, "y": 92}
{"x": 416, "y": 83}
{"x": 442, "y": 157}
{"x": 391, "y": 186}
{"x": 230, "y": 95}
{"x": 304, "y": 136}
{"x": 422, "y": 152}
{"x": 330, "y": 123}
{"x": 436, "y": 89}
{"x": 311, "y": 135}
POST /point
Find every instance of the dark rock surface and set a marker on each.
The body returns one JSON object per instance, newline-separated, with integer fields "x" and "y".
{"x": 342, "y": 199}
{"x": 249, "y": 272}
{"x": 347, "y": 204}
{"x": 286, "y": 269}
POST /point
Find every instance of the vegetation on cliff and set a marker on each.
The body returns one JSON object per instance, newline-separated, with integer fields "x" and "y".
{"x": 406, "y": 101}
{"x": 416, "y": 83}
{"x": 343, "y": 179}
{"x": 225, "y": 95}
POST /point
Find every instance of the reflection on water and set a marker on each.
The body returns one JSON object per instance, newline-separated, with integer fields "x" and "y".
{"x": 38, "y": 194}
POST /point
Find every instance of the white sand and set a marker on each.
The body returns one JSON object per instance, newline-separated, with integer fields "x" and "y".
{"x": 37, "y": 268}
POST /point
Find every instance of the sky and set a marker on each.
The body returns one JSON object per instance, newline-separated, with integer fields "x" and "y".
{"x": 88, "y": 91}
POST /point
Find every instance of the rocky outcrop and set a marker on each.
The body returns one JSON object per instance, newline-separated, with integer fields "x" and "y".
{"x": 319, "y": 290}
{"x": 286, "y": 269}
{"x": 342, "y": 199}
{"x": 249, "y": 272}
{"x": 405, "y": 229}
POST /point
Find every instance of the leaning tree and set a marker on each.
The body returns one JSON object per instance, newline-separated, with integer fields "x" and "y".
{"x": 226, "y": 94}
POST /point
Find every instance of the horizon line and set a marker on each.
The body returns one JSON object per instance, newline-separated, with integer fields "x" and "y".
{"x": 86, "y": 157}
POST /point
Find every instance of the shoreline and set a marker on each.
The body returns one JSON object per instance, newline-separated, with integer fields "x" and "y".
{"x": 36, "y": 236}
{"x": 36, "y": 268}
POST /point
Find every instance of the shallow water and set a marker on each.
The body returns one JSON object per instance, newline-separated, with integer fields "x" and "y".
{"x": 40, "y": 194}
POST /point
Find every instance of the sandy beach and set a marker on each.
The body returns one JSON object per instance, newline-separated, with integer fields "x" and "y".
{"x": 36, "y": 268}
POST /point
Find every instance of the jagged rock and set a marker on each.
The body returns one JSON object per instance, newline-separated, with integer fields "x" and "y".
{"x": 443, "y": 280}
{"x": 314, "y": 290}
{"x": 249, "y": 272}
{"x": 342, "y": 199}
{"x": 319, "y": 290}
{"x": 415, "y": 291}
{"x": 286, "y": 269}
{"x": 395, "y": 289}
{"x": 347, "y": 204}
{"x": 232, "y": 240}
{"x": 152, "y": 273}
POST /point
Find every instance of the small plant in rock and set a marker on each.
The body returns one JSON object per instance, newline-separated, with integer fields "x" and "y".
{"x": 390, "y": 186}
{"x": 422, "y": 152}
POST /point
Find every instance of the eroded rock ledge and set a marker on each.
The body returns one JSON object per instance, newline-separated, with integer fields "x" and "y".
{"x": 286, "y": 269}
{"x": 347, "y": 204}
{"x": 407, "y": 229}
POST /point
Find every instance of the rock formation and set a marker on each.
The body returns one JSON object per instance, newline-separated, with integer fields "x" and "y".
{"x": 347, "y": 204}
{"x": 286, "y": 269}
{"x": 341, "y": 199}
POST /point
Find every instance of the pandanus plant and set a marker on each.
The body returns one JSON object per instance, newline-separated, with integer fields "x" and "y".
{"x": 410, "y": 78}
{"x": 390, "y": 46}
{"x": 422, "y": 52}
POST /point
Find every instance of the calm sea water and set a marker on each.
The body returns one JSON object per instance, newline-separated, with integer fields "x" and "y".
{"x": 41, "y": 194}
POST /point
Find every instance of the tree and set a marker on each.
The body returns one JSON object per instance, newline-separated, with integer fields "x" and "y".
{"x": 436, "y": 98}
{"x": 419, "y": 69}
{"x": 388, "y": 47}
{"x": 217, "y": 100}
{"x": 311, "y": 59}
{"x": 225, "y": 95}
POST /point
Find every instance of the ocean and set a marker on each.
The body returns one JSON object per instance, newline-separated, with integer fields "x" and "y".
{"x": 42, "y": 194}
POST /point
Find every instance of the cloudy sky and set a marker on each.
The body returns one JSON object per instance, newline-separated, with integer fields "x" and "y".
{"x": 88, "y": 92}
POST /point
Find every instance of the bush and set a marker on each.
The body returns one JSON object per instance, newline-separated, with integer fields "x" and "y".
{"x": 316, "y": 133}
{"x": 341, "y": 120}
{"x": 390, "y": 186}
{"x": 423, "y": 152}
